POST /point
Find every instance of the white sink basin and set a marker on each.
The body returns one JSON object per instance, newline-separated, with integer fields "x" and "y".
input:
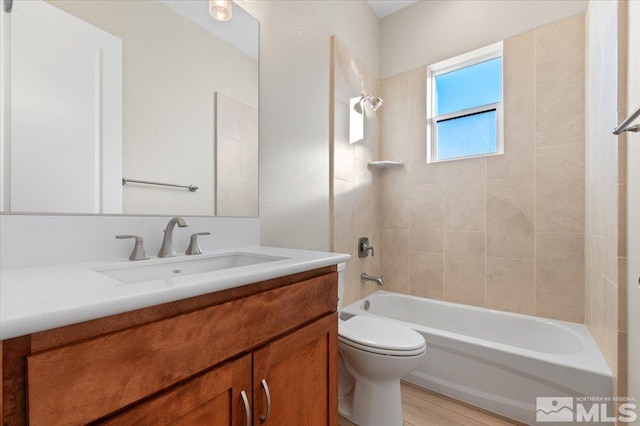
{"x": 174, "y": 268}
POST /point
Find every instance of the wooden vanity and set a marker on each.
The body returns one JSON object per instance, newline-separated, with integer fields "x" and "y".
{"x": 260, "y": 354}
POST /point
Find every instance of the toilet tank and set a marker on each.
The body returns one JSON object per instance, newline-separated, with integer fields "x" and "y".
{"x": 342, "y": 269}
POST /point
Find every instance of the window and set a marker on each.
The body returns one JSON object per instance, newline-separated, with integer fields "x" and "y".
{"x": 464, "y": 106}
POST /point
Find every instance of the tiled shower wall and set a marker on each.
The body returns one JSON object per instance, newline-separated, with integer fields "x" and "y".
{"x": 605, "y": 254}
{"x": 354, "y": 186}
{"x": 503, "y": 232}
{"x": 623, "y": 90}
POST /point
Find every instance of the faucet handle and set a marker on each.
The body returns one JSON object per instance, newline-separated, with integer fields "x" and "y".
{"x": 138, "y": 252}
{"x": 194, "y": 248}
{"x": 364, "y": 248}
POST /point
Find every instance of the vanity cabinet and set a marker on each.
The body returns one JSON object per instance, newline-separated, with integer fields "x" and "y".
{"x": 187, "y": 362}
{"x": 215, "y": 399}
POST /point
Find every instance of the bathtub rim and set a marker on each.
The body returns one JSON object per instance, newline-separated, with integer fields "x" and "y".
{"x": 590, "y": 351}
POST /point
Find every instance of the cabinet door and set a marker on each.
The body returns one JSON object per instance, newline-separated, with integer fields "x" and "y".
{"x": 212, "y": 399}
{"x": 300, "y": 374}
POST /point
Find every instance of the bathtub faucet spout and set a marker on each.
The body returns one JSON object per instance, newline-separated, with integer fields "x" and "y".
{"x": 366, "y": 277}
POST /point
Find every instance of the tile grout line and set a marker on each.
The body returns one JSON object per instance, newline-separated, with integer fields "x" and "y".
{"x": 486, "y": 218}
{"x": 444, "y": 234}
{"x": 535, "y": 172}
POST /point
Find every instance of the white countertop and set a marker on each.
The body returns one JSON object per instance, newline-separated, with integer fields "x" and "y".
{"x": 41, "y": 298}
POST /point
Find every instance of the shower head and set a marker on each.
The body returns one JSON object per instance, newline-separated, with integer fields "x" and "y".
{"x": 374, "y": 101}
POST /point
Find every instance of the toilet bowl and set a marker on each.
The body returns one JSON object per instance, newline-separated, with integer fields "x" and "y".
{"x": 374, "y": 355}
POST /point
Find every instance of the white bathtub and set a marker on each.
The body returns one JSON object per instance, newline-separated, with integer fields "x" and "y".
{"x": 495, "y": 360}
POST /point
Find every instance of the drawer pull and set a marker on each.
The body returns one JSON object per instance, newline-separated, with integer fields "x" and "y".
{"x": 247, "y": 408}
{"x": 265, "y": 386}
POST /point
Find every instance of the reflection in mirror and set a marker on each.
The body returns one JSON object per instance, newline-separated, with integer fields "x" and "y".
{"x": 100, "y": 90}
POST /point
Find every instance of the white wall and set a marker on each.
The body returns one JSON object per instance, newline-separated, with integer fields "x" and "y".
{"x": 294, "y": 111}
{"x": 430, "y": 31}
{"x": 40, "y": 240}
{"x": 633, "y": 207}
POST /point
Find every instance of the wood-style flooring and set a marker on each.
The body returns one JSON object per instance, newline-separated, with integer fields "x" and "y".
{"x": 425, "y": 408}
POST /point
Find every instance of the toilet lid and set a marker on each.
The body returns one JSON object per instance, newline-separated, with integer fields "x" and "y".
{"x": 376, "y": 333}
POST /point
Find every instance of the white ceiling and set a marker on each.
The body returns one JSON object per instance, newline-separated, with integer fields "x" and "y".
{"x": 384, "y": 8}
{"x": 242, "y": 31}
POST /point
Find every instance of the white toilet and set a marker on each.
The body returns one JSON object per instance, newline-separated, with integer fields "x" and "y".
{"x": 374, "y": 355}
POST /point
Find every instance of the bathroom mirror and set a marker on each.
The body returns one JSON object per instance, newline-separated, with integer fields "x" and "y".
{"x": 98, "y": 95}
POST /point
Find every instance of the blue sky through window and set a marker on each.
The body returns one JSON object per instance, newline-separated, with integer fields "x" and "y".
{"x": 469, "y": 135}
{"x": 469, "y": 87}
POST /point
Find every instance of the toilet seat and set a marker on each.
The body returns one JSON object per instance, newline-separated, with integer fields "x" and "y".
{"x": 379, "y": 336}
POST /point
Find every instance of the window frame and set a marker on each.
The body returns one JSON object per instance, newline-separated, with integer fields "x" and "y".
{"x": 474, "y": 57}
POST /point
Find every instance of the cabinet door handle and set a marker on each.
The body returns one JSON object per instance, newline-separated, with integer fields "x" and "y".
{"x": 265, "y": 387}
{"x": 247, "y": 408}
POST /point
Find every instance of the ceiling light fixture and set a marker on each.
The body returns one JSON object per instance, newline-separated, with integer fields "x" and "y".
{"x": 220, "y": 10}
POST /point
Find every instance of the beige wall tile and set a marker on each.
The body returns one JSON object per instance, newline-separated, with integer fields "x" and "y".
{"x": 348, "y": 81}
{"x": 396, "y": 88}
{"x": 343, "y": 245}
{"x": 418, "y": 93}
{"x": 560, "y": 276}
{"x": 622, "y": 220}
{"x": 395, "y": 259}
{"x": 426, "y": 217}
{"x": 560, "y": 101}
{"x": 609, "y": 199}
{"x": 369, "y": 265}
{"x": 348, "y": 297}
{"x": 622, "y": 294}
{"x": 560, "y": 39}
{"x": 593, "y": 288}
{"x": 488, "y": 206}
{"x": 465, "y": 267}
{"x": 418, "y": 171}
{"x": 519, "y": 139}
{"x": 465, "y": 195}
{"x": 358, "y": 264}
{"x": 376, "y": 205}
{"x": 426, "y": 274}
{"x": 519, "y": 65}
{"x": 362, "y": 194}
{"x": 588, "y": 290}
{"x": 510, "y": 217}
{"x": 623, "y": 17}
{"x": 560, "y": 189}
{"x": 510, "y": 285}
{"x": 622, "y": 364}
{"x": 622, "y": 156}
{"x": 376, "y": 240}
{"x": 393, "y": 199}
{"x": 343, "y": 202}
{"x": 369, "y": 148}
{"x": 343, "y": 151}
{"x": 394, "y": 130}
{"x": 623, "y": 43}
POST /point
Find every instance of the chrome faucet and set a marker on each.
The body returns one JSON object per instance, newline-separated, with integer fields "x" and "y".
{"x": 167, "y": 249}
{"x": 366, "y": 277}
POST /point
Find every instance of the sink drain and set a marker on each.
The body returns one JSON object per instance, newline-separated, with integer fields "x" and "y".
{"x": 177, "y": 271}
